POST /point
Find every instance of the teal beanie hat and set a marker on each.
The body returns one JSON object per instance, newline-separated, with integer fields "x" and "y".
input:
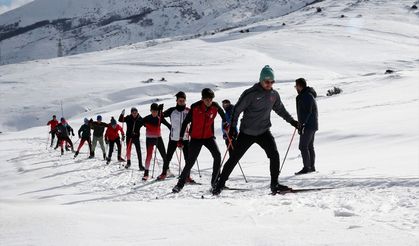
{"x": 266, "y": 74}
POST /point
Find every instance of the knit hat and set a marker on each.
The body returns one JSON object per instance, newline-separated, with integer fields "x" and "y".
{"x": 54, "y": 116}
{"x": 99, "y": 117}
{"x": 113, "y": 121}
{"x": 207, "y": 93}
{"x": 86, "y": 121}
{"x": 180, "y": 94}
{"x": 154, "y": 106}
{"x": 266, "y": 74}
{"x": 134, "y": 109}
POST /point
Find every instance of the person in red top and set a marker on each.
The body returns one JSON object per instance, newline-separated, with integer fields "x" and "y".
{"x": 152, "y": 124}
{"x": 112, "y": 138}
{"x": 201, "y": 116}
{"x": 53, "y": 123}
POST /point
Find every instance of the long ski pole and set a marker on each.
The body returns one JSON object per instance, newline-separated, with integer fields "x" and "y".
{"x": 154, "y": 163}
{"x": 62, "y": 110}
{"x": 230, "y": 142}
{"x": 197, "y": 165}
{"x": 289, "y": 146}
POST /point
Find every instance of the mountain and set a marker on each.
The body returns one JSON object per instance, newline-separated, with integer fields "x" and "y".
{"x": 50, "y": 28}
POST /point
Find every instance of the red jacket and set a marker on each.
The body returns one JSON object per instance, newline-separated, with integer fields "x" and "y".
{"x": 53, "y": 123}
{"x": 202, "y": 118}
{"x": 152, "y": 125}
{"x": 112, "y": 133}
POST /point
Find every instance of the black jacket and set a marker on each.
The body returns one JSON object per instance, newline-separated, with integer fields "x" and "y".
{"x": 133, "y": 125}
{"x": 98, "y": 128}
{"x": 307, "y": 108}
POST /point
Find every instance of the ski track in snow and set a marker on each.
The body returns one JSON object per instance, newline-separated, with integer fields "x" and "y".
{"x": 389, "y": 200}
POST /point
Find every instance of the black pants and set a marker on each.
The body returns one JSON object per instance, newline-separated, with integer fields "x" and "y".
{"x": 242, "y": 144}
{"x": 111, "y": 146}
{"x": 171, "y": 148}
{"x": 306, "y": 147}
{"x": 52, "y": 138}
{"x": 62, "y": 140}
{"x": 195, "y": 146}
{"x": 136, "y": 141}
{"x": 150, "y": 143}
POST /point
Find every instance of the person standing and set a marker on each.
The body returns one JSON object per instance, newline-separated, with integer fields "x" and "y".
{"x": 112, "y": 138}
{"x": 308, "y": 118}
{"x": 98, "y": 129}
{"x": 228, "y": 109}
{"x": 63, "y": 130}
{"x": 52, "y": 123}
{"x": 201, "y": 116}
{"x": 177, "y": 115}
{"x": 84, "y": 134}
{"x": 152, "y": 123}
{"x": 257, "y": 103}
{"x": 134, "y": 123}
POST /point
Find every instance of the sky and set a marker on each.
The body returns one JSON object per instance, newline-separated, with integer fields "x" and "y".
{"x": 6, "y": 5}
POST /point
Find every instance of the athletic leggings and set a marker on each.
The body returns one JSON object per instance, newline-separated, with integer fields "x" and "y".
{"x": 150, "y": 143}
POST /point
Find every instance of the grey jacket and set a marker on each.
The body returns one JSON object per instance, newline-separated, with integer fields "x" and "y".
{"x": 257, "y": 104}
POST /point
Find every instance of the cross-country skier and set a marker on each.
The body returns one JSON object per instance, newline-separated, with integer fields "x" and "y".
{"x": 98, "y": 130}
{"x": 257, "y": 103}
{"x": 84, "y": 135}
{"x": 228, "y": 110}
{"x": 52, "y": 123}
{"x": 152, "y": 123}
{"x": 177, "y": 115}
{"x": 309, "y": 124}
{"x": 201, "y": 116}
{"x": 63, "y": 130}
{"x": 134, "y": 122}
{"x": 112, "y": 138}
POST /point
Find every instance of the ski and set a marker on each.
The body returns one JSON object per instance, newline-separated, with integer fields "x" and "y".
{"x": 301, "y": 190}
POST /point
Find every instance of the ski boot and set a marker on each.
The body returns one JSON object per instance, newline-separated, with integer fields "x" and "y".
{"x": 177, "y": 188}
{"x": 278, "y": 188}
{"x": 161, "y": 177}
{"x": 145, "y": 177}
{"x": 128, "y": 164}
{"x": 120, "y": 159}
{"x": 108, "y": 160}
{"x": 303, "y": 171}
{"x": 76, "y": 154}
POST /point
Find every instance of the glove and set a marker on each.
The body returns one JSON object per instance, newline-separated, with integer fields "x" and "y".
{"x": 160, "y": 108}
{"x": 226, "y": 126}
{"x": 180, "y": 143}
{"x": 301, "y": 129}
{"x": 225, "y": 136}
{"x": 232, "y": 133}
{"x": 107, "y": 141}
{"x": 123, "y": 112}
{"x": 123, "y": 137}
{"x": 295, "y": 124}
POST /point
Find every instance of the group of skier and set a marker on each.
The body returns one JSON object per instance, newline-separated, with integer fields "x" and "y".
{"x": 191, "y": 128}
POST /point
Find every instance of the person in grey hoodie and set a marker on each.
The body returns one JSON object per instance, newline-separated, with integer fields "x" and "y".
{"x": 309, "y": 124}
{"x": 256, "y": 103}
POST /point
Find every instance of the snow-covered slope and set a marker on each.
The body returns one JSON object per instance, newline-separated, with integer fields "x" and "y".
{"x": 367, "y": 145}
{"x": 50, "y": 28}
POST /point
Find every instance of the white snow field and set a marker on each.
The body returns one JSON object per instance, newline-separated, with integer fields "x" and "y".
{"x": 367, "y": 145}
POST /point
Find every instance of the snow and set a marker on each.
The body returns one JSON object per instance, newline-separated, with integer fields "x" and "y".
{"x": 367, "y": 145}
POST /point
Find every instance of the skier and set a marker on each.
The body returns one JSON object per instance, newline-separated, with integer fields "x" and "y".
{"x": 228, "y": 110}
{"x": 201, "y": 116}
{"x": 308, "y": 119}
{"x": 177, "y": 116}
{"x": 63, "y": 130}
{"x": 112, "y": 138}
{"x": 98, "y": 130}
{"x": 53, "y": 123}
{"x": 257, "y": 103}
{"x": 134, "y": 122}
{"x": 84, "y": 134}
{"x": 152, "y": 123}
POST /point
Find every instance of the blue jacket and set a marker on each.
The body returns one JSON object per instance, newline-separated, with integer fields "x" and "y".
{"x": 307, "y": 108}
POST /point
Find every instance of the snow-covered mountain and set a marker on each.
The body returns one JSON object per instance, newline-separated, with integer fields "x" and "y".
{"x": 51, "y": 28}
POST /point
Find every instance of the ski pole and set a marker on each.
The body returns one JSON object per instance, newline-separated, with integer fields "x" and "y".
{"x": 240, "y": 166}
{"x": 197, "y": 165}
{"x": 289, "y": 146}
